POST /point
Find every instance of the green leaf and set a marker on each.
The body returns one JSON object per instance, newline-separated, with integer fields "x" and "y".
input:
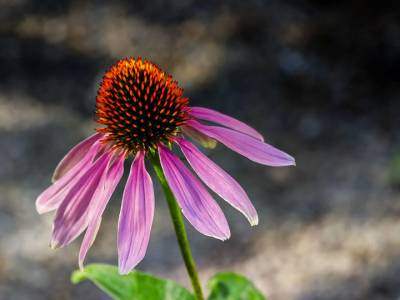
{"x": 134, "y": 286}
{"x": 231, "y": 286}
{"x": 394, "y": 170}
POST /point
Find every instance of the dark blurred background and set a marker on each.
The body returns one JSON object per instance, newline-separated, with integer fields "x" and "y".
{"x": 319, "y": 78}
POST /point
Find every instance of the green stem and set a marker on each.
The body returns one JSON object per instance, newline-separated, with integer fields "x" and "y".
{"x": 180, "y": 230}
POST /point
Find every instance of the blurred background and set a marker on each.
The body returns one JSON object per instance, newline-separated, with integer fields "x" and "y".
{"x": 320, "y": 79}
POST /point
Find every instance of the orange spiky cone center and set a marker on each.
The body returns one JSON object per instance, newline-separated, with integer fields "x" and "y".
{"x": 139, "y": 105}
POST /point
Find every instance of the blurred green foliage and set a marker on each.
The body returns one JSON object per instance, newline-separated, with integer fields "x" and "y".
{"x": 394, "y": 170}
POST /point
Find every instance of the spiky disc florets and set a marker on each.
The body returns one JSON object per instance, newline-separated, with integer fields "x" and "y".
{"x": 140, "y": 105}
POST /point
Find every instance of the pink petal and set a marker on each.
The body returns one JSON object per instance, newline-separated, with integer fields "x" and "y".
{"x": 196, "y": 203}
{"x": 224, "y": 120}
{"x": 74, "y": 156}
{"x": 109, "y": 182}
{"x": 136, "y": 216}
{"x": 88, "y": 240}
{"x": 218, "y": 180}
{"x": 200, "y": 138}
{"x": 245, "y": 145}
{"x": 72, "y": 215}
{"x": 51, "y": 198}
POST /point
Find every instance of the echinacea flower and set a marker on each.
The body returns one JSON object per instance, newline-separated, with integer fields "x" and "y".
{"x": 143, "y": 112}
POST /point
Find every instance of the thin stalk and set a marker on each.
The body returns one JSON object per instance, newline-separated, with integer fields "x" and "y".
{"x": 180, "y": 230}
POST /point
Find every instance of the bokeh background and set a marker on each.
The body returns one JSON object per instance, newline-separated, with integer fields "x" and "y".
{"x": 319, "y": 78}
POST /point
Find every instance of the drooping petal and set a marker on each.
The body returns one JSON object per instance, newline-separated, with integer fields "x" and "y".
{"x": 88, "y": 240}
{"x": 196, "y": 203}
{"x": 74, "y": 156}
{"x": 51, "y": 198}
{"x": 136, "y": 216}
{"x": 109, "y": 182}
{"x": 218, "y": 180}
{"x": 200, "y": 138}
{"x": 224, "y": 120}
{"x": 245, "y": 145}
{"x": 72, "y": 216}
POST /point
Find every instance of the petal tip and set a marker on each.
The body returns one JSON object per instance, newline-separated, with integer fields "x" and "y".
{"x": 224, "y": 236}
{"x": 54, "y": 244}
{"x": 123, "y": 272}
{"x": 39, "y": 210}
{"x": 254, "y": 221}
{"x": 124, "y": 269}
{"x": 80, "y": 264}
{"x": 287, "y": 160}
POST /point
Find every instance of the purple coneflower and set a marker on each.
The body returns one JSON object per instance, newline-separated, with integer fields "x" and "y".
{"x": 143, "y": 113}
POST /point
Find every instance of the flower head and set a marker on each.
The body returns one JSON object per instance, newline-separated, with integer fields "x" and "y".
{"x": 139, "y": 105}
{"x": 143, "y": 112}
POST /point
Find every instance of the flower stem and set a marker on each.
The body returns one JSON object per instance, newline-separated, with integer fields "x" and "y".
{"x": 180, "y": 230}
